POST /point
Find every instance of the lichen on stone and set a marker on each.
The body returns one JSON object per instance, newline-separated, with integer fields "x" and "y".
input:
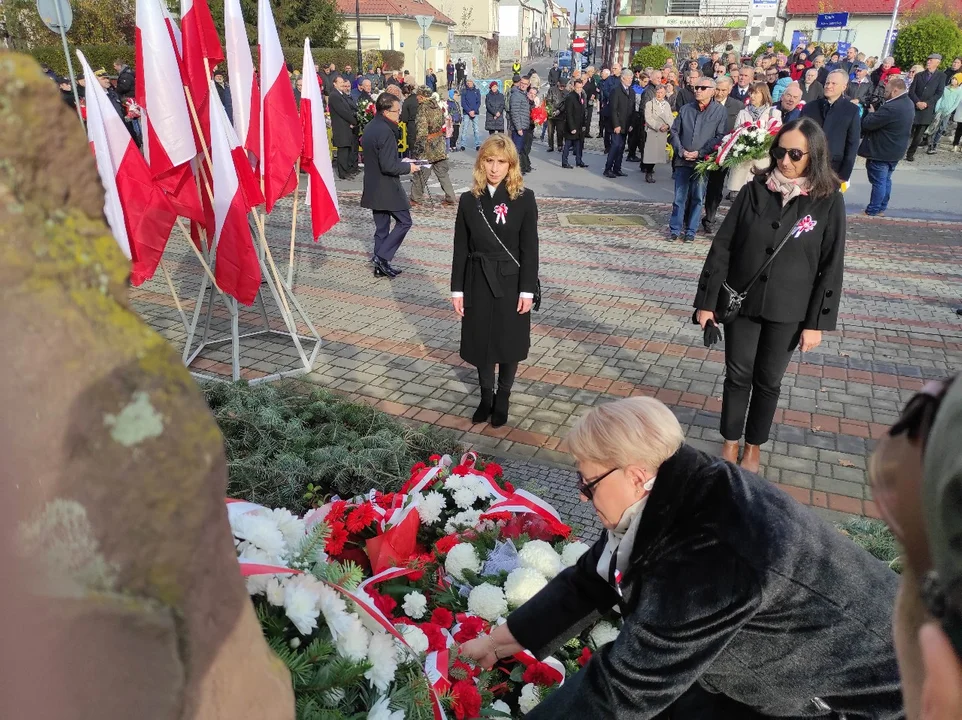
{"x": 136, "y": 422}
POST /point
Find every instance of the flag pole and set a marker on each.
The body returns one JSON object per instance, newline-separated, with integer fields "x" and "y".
{"x": 180, "y": 224}
{"x": 270, "y": 258}
{"x": 200, "y": 134}
{"x": 290, "y": 259}
{"x": 173, "y": 293}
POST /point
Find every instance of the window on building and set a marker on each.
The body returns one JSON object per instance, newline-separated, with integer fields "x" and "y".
{"x": 683, "y": 7}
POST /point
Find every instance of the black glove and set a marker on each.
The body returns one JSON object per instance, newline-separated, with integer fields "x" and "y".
{"x": 712, "y": 333}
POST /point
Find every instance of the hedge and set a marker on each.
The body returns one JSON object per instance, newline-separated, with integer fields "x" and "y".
{"x": 104, "y": 56}
{"x": 779, "y": 48}
{"x": 929, "y": 34}
{"x": 653, "y": 56}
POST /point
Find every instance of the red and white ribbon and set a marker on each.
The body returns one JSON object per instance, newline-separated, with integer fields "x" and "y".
{"x": 241, "y": 507}
{"x": 524, "y": 502}
{"x": 501, "y": 212}
{"x": 252, "y": 567}
{"x": 436, "y": 669}
{"x": 526, "y": 658}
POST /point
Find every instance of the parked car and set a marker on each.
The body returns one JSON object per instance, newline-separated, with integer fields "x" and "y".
{"x": 564, "y": 59}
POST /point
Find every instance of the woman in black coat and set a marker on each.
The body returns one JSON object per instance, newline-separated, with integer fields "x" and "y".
{"x": 494, "y": 109}
{"x": 495, "y": 272}
{"x": 795, "y": 298}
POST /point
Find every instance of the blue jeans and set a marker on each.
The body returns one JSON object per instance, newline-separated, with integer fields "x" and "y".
{"x": 939, "y": 130}
{"x": 689, "y": 199}
{"x": 616, "y": 152}
{"x": 880, "y": 176}
{"x": 518, "y": 141}
{"x": 470, "y": 122}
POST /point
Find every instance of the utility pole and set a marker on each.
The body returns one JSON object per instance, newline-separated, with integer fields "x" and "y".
{"x": 357, "y": 25}
{"x": 571, "y": 45}
{"x": 591, "y": 29}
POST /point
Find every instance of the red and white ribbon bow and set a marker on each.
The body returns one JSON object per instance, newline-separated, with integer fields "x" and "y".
{"x": 806, "y": 224}
{"x": 501, "y": 211}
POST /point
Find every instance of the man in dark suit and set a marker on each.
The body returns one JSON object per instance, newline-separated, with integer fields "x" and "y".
{"x": 741, "y": 91}
{"x": 840, "y": 120}
{"x": 621, "y": 103}
{"x": 716, "y": 179}
{"x": 591, "y": 93}
{"x": 344, "y": 128}
{"x": 926, "y": 89}
{"x": 790, "y": 105}
{"x": 885, "y": 136}
{"x": 383, "y": 193}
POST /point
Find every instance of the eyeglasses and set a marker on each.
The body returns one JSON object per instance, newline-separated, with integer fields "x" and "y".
{"x": 586, "y": 487}
{"x": 793, "y": 153}
{"x": 704, "y": 87}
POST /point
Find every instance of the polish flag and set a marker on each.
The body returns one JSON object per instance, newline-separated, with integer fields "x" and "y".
{"x": 200, "y": 54}
{"x": 245, "y": 93}
{"x": 316, "y": 155}
{"x": 137, "y": 211}
{"x": 281, "y": 136}
{"x": 168, "y": 132}
{"x": 236, "y": 191}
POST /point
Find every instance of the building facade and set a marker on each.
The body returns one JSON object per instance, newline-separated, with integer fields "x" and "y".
{"x": 524, "y": 30}
{"x": 868, "y": 24}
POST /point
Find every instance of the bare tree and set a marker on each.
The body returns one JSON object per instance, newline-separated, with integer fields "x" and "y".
{"x": 716, "y": 32}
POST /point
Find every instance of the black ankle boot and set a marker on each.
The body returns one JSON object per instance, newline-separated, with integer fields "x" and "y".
{"x": 484, "y": 409}
{"x": 499, "y": 415}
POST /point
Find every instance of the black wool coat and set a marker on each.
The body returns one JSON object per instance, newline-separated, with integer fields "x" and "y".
{"x": 409, "y": 116}
{"x": 343, "y": 114}
{"x": 734, "y": 585}
{"x": 804, "y": 283}
{"x": 383, "y": 168}
{"x": 887, "y": 131}
{"x": 494, "y": 104}
{"x": 927, "y": 88}
{"x": 842, "y": 124}
{"x": 492, "y": 330}
{"x": 621, "y": 104}
{"x": 574, "y": 116}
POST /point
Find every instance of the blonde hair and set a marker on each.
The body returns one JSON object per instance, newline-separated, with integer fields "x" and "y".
{"x": 634, "y": 431}
{"x": 498, "y": 145}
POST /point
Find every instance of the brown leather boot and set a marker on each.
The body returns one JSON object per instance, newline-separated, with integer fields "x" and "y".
{"x": 730, "y": 451}
{"x": 751, "y": 458}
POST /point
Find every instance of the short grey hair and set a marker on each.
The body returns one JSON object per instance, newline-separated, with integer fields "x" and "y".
{"x": 842, "y": 73}
{"x": 793, "y": 87}
{"x": 724, "y": 79}
{"x": 710, "y": 80}
{"x": 627, "y": 74}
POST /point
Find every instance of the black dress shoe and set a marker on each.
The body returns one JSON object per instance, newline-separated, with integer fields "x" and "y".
{"x": 632, "y": 158}
{"x": 674, "y": 237}
{"x": 550, "y": 149}
{"x": 708, "y": 226}
{"x": 484, "y": 409}
{"x": 566, "y": 166}
{"x": 382, "y": 268}
{"x": 499, "y": 413}
{"x": 391, "y": 269}
{"x": 609, "y": 175}
{"x": 583, "y": 165}
{"x": 621, "y": 174}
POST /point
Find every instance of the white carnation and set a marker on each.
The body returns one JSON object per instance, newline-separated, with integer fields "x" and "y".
{"x": 502, "y": 707}
{"x": 366, "y": 618}
{"x": 353, "y": 643}
{"x": 464, "y": 519}
{"x": 275, "y": 592}
{"x": 414, "y": 637}
{"x": 462, "y": 557}
{"x": 261, "y": 531}
{"x": 481, "y": 486}
{"x": 301, "y": 600}
{"x": 602, "y": 634}
{"x": 539, "y": 555}
{"x": 292, "y": 527}
{"x": 464, "y": 497}
{"x": 334, "y": 609}
{"x": 414, "y": 605}
{"x": 530, "y": 697}
{"x": 522, "y": 585}
{"x": 383, "y": 659}
{"x": 487, "y": 601}
{"x": 257, "y": 584}
{"x": 381, "y": 710}
{"x": 572, "y": 552}
{"x": 430, "y": 507}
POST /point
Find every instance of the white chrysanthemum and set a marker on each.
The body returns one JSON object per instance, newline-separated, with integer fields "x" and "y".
{"x": 502, "y": 707}
{"x": 481, "y": 486}
{"x": 464, "y": 497}
{"x": 383, "y": 658}
{"x": 257, "y": 584}
{"x": 415, "y": 605}
{"x": 260, "y": 530}
{"x": 301, "y": 597}
{"x": 367, "y": 620}
{"x": 275, "y": 592}
{"x": 431, "y": 506}
{"x": 334, "y": 609}
{"x": 462, "y": 557}
{"x": 602, "y": 634}
{"x": 453, "y": 482}
{"x": 522, "y": 585}
{"x": 464, "y": 519}
{"x": 353, "y": 643}
{"x": 487, "y": 601}
{"x": 292, "y": 527}
{"x": 571, "y": 553}
{"x": 381, "y": 710}
{"x": 530, "y": 697}
{"x": 414, "y": 637}
{"x": 539, "y": 555}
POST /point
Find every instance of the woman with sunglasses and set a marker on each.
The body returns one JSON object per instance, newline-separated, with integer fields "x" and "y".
{"x": 736, "y": 601}
{"x": 794, "y": 299}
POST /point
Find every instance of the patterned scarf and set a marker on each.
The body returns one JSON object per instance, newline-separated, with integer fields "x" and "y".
{"x": 789, "y": 189}
{"x": 756, "y": 112}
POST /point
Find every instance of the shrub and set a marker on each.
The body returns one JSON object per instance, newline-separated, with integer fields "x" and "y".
{"x": 651, "y": 56}
{"x": 779, "y": 48}
{"x": 279, "y": 440}
{"x": 929, "y": 34}
{"x": 874, "y": 536}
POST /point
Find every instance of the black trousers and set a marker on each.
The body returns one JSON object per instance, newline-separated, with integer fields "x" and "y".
{"x": 589, "y": 109}
{"x": 757, "y": 353}
{"x": 346, "y": 161}
{"x": 917, "y": 132}
{"x": 526, "y": 150}
{"x": 714, "y": 191}
{"x": 506, "y": 373}
{"x": 635, "y": 136}
{"x": 555, "y": 131}
{"x": 958, "y": 133}
{"x": 606, "y": 130}
{"x": 455, "y": 134}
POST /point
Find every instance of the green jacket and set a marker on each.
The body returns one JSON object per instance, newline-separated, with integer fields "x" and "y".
{"x": 431, "y": 140}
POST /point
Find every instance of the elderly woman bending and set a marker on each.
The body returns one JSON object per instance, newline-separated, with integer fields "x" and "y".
{"x": 723, "y": 582}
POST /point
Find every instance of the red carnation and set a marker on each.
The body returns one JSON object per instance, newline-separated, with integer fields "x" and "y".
{"x": 493, "y": 470}
{"x": 498, "y": 516}
{"x": 403, "y": 621}
{"x": 360, "y": 517}
{"x": 385, "y": 603}
{"x": 472, "y": 671}
{"x": 436, "y": 639}
{"x": 540, "y": 673}
{"x": 385, "y": 500}
{"x": 585, "y": 657}
{"x": 336, "y": 512}
{"x": 508, "y": 487}
{"x": 470, "y": 628}
{"x": 337, "y": 538}
{"x": 443, "y": 617}
{"x": 435, "y": 458}
{"x": 418, "y": 468}
{"x": 445, "y": 544}
{"x": 466, "y": 700}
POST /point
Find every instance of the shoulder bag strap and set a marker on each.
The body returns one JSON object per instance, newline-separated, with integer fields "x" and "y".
{"x": 771, "y": 259}
{"x": 484, "y": 217}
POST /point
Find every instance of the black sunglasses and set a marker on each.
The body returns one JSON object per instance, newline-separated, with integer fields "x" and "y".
{"x": 794, "y": 153}
{"x": 586, "y": 487}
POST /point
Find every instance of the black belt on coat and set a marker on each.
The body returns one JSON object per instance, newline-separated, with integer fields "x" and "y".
{"x": 489, "y": 267}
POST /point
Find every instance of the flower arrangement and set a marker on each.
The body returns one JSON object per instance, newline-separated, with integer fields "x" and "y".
{"x": 366, "y": 112}
{"x": 747, "y": 142}
{"x": 367, "y": 600}
{"x": 539, "y": 115}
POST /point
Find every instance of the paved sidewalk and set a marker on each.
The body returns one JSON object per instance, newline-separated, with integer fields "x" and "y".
{"x": 615, "y": 323}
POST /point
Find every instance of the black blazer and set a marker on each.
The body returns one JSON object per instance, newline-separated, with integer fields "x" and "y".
{"x": 842, "y": 124}
{"x": 927, "y": 91}
{"x": 887, "y": 131}
{"x": 621, "y": 103}
{"x": 574, "y": 115}
{"x": 731, "y": 584}
{"x": 739, "y": 95}
{"x": 732, "y": 107}
{"x": 383, "y": 168}
{"x": 343, "y": 115}
{"x": 804, "y": 283}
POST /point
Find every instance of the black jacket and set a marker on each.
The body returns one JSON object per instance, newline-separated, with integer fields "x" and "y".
{"x": 732, "y": 107}
{"x": 409, "y": 116}
{"x": 736, "y": 586}
{"x": 574, "y": 113}
{"x": 494, "y": 104}
{"x": 681, "y": 98}
{"x": 927, "y": 88}
{"x": 812, "y": 92}
{"x": 842, "y": 125}
{"x": 738, "y": 94}
{"x": 621, "y": 104}
{"x": 125, "y": 83}
{"x": 804, "y": 283}
{"x": 343, "y": 115}
{"x": 887, "y": 131}
{"x": 383, "y": 167}
{"x": 492, "y": 330}
{"x": 590, "y": 88}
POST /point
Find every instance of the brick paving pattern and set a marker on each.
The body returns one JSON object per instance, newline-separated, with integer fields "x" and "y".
{"x": 615, "y": 323}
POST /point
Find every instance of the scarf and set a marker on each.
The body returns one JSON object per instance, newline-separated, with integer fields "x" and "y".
{"x": 789, "y": 189}
{"x": 756, "y": 112}
{"x": 621, "y": 540}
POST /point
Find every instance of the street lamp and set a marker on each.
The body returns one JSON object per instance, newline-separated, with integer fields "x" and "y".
{"x": 574, "y": 31}
{"x": 591, "y": 17}
{"x": 357, "y": 25}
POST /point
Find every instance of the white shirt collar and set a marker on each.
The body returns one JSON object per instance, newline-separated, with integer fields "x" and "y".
{"x": 492, "y": 189}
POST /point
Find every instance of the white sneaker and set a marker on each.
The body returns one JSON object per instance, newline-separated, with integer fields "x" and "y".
{"x": 955, "y": 148}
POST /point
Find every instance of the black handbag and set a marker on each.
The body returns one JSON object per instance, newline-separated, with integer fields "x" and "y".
{"x": 536, "y": 304}
{"x": 730, "y": 302}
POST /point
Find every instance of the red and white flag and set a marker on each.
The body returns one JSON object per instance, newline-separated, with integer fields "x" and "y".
{"x": 281, "y": 135}
{"x": 245, "y": 93}
{"x": 168, "y": 132}
{"x": 201, "y": 52}
{"x": 137, "y": 211}
{"x": 316, "y": 155}
{"x": 236, "y": 191}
